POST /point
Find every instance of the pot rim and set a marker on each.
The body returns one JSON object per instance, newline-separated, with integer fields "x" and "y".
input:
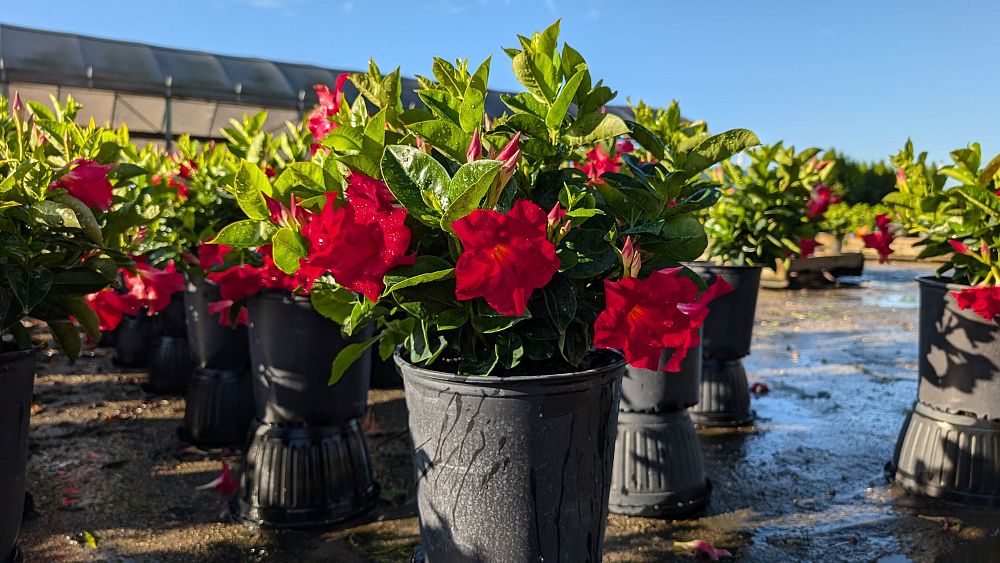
{"x": 617, "y": 364}
{"x": 713, "y": 264}
{"x": 15, "y": 355}
{"x": 939, "y": 282}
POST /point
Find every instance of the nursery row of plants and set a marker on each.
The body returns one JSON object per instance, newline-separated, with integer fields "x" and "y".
{"x": 514, "y": 268}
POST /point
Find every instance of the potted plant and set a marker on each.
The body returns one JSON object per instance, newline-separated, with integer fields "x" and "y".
{"x": 657, "y": 468}
{"x": 63, "y": 221}
{"x": 944, "y": 449}
{"x": 325, "y": 242}
{"x": 520, "y": 292}
{"x": 219, "y": 408}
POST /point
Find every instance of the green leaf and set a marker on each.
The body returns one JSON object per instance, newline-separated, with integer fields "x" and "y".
{"x": 525, "y": 103}
{"x": 288, "y": 248}
{"x": 426, "y": 269}
{"x": 528, "y": 124}
{"x": 487, "y": 321}
{"x": 467, "y": 189}
{"x": 347, "y": 356}
{"x": 474, "y": 98}
{"x": 414, "y": 177}
{"x": 29, "y": 288}
{"x": 335, "y": 304}
{"x": 444, "y": 136}
{"x": 594, "y": 254}
{"x": 557, "y": 113}
{"x": 439, "y": 103}
{"x": 530, "y": 69}
{"x": 718, "y": 148}
{"x": 594, "y": 127}
{"x": 647, "y": 139}
{"x": 249, "y": 188}
{"x": 126, "y": 170}
{"x": 67, "y": 337}
{"x": 79, "y": 281}
{"x": 85, "y": 315}
{"x": 247, "y": 233}
{"x": 560, "y": 301}
{"x": 309, "y": 175}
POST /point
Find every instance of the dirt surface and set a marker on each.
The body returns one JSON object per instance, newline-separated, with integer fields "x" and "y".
{"x": 112, "y": 481}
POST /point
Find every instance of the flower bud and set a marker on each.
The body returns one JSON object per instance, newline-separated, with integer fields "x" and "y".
{"x": 510, "y": 150}
{"x": 475, "y": 151}
{"x": 631, "y": 261}
{"x": 17, "y": 105}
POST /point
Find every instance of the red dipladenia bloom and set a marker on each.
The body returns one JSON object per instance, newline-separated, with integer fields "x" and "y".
{"x": 880, "y": 240}
{"x": 504, "y": 256}
{"x": 806, "y": 247}
{"x": 822, "y": 198}
{"x": 211, "y": 255}
{"x": 88, "y": 182}
{"x": 225, "y": 483}
{"x": 223, "y": 308}
{"x": 984, "y": 301}
{"x": 111, "y": 306}
{"x": 153, "y": 287}
{"x": 643, "y": 317}
{"x": 271, "y": 277}
{"x": 624, "y": 146}
{"x": 329, "y": 104}
{"x": 599, "y": 162}
{"x": 238, "y": 282}
{"x": 359, "y": 242}
{"x": 187, "y": 168}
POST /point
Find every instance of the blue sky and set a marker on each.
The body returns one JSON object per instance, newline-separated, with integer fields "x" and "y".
{"x": 861, "y": 76}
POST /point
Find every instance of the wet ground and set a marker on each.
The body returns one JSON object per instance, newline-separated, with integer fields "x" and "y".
{"x": 112, "y": 481}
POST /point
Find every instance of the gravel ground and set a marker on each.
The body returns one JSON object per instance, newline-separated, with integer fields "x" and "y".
{"x": 112, "y": 481}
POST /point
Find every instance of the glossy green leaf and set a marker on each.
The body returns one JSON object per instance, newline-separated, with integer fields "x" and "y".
{"x": 466, "y": 190}
{"x": 594, "y": 127}
{"x": 288, "y": 247}
{"x": 249, "y": 188}
{"x": 248, "y": 233}
{"x": 414, "y": 177}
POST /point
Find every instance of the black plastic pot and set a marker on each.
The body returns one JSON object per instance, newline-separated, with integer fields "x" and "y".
{"x": 513, "y": 468}
{"x": 650, "y": 391}
{"x": 728, "y": 329}
{"x": 170, "y": 366}
{"x": 135, "y": 338}
{"x": 948, "y": 456}
{"x": 171, "y": 321}
{"x": 307, "y": 462}
{"x": 218, "y": 409}
{"x": 949, "y": 446}
{"x": 109, "y": 339}
{"x": 658, "y": 469}
{"x": 725, "y": 395}
{"x": 213, "y": 346}
{"x": 958, "y": 354}
{"x": 17, "y": 374}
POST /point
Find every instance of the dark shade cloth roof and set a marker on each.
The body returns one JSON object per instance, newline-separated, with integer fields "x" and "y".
{"x": 66, "y": 59}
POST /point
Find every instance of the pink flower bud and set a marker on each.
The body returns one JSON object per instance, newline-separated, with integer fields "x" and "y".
{"x": 17, "y": 105}
{"x": 631, "y": 261}
{"x": 510, "y": 149}
{"x": 959, "y": 247}
{"x": 475, "y": 151}
{"x": 556, "y": 214}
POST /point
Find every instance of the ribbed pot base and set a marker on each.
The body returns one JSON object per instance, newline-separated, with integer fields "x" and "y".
{"x": 948, "y": 456}
{"x": 658, "y": 467}
{"x": 305, "y": 477}
{"x": 218, "y": 409}
{"x": 170, "y": 366}
{"x": 16, "y": 556}
{"x": 725, "y": 395}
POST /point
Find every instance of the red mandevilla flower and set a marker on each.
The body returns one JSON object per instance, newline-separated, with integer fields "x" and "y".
{"x": 505, "y": 256}
{"x": 154, "y": 287}
{"x": 642, "y": 317}
{"x": 238, "y": 282}
{"x": 329, "y": 104}
{"x": 211, "y": 255}
{"x": 111, "y": 306}
{"x": 984, "y": 301}
{"x": 880, "y": 240}
{"x": 806, "y": 247}
{"x": 88, "y": 182}
{"x": 822, "y": 198}
{"x": 959, "y": 247}
{"x": 598, "y": 162}
{"x": 223, "y": 308}
{"x": 360, "y": 242}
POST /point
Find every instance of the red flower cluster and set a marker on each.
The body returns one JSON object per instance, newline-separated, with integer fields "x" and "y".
{"x": 174, "y": 183}
{"x": 359, "y": 242}
{"x": 599, "y": 162}
{"x": 88, "y": 182}
{"x": 881, "y": 239}
{"x": 329, "y": 104}
{"x": 822, "y": 198}
{"x": 642, "y": 317}
{"x": 984, "y": 301}
{"x": 149, "y": 287}
{"x": 505, "y": 256}
{"x": 806, "y": 247}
